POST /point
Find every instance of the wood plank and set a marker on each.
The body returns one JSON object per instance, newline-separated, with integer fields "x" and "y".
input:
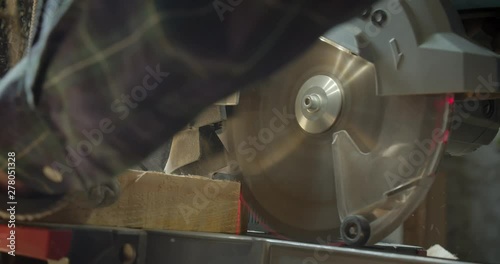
{"x": 156, "y": 200}
{"x": 427, "y": 226}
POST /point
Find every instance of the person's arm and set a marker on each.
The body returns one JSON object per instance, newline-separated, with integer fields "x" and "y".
{"x": 115, "y": 79}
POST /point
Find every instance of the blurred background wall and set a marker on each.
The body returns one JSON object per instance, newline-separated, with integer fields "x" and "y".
{"x": 473, "y": 204}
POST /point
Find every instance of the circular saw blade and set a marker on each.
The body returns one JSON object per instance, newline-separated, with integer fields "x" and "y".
{"x": 288, "y": 173}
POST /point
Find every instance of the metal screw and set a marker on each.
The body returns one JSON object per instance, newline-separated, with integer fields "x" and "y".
{"x": 128, "y": 254}
{"x": 312, "y": 102}
{"x": 353, "y": 231}
{"x": 379, "y": 18}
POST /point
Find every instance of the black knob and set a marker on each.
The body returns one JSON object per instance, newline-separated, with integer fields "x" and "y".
{"x": 355, "y": 230}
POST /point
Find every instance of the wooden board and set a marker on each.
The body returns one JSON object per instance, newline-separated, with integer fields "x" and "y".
{"x": 427, "y": 226}
{"x": 155, "y": 200}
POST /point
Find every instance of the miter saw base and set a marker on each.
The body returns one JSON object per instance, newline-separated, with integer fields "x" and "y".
{"x": 82, "y": 245}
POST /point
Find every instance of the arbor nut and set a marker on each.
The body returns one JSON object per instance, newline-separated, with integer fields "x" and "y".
{"x": 312, "y": 103}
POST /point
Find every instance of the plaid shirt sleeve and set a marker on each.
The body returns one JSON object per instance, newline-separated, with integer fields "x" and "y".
{"x": 108, "y": 81}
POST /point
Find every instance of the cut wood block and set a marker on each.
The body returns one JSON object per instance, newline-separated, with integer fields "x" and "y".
{"x": 153, "y": 200}
{"x": 427, "y": 226}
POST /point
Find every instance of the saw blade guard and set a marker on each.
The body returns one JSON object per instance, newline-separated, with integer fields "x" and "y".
{"x": 385, "y": 149}
{"x": 385, "y": 185}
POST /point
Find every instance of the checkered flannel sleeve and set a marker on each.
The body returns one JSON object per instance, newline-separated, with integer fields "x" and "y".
{"x": 109, "y": 81}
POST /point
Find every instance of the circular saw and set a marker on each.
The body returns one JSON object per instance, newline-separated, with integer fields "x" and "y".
{"x": 316, "y": 144}
{"x": 343, "y": 143}
{"x": 345, "y": 140}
